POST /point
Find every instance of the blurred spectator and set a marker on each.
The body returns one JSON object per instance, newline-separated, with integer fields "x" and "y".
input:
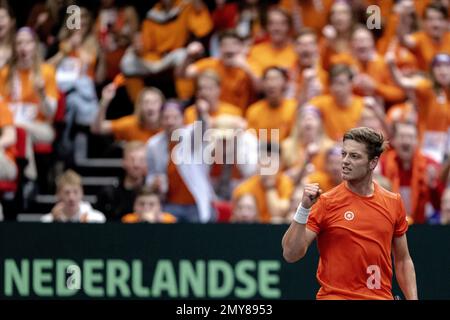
{"x": 337, "y": 34}
{"x": 7, "y": 29}
{"x": 402, "y": 20}
{"x": 308, "y": 77}
{"x": 411, "y": 173}
{"x": 245, "y": 210}
{"x": 78, "y": 51}
{"x": 296, "y": 198}
{"x": 46, "y": 19}
{"x": 372, "y": 76}
{"x": 141, "y": 125}
{"x": 275, "y": 113}
{"x": 235, "y": 154}
{"x": 433, "y": 106}
{"x": 70, "y": 207}
{"x": 445, "y": 208}
{"x": 164, "y": 33}
{"x": 340, "y": 109}
{"x": 29, "y": 88}
{"x": 434, "y": 39}
{"x": 246, "y": 17}
{"x": 115, "y": 201}
{"x": 304, "y": 150}
{"x": 208, "y": 86}
{"x": 308, "y": 13}
{"x": 237, "y": 80}
{"x": 330, "y": 177}
{"x": 271, "y": 188}
{"x": 279, "y": 50}
{"x": 75, "y": 64}
{"x": 115, "y": 27}
{"x": 173, "y": 167}
{"x": 147, "y": 208}
{"x": 8, "y": 169}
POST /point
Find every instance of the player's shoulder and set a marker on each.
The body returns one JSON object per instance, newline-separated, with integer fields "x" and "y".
{"x": 386, "y": 193}
{"x": 334, "y": 196}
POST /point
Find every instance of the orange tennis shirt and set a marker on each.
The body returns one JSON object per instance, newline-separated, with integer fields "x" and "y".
{"x": 354, "y": 235}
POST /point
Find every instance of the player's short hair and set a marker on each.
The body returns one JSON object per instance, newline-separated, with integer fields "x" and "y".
{"x": 372, "y": 139}
{"x": 69, "y": 177}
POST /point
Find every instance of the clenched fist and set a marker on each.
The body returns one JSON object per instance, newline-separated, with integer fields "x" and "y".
{"x": 311, "y": 194}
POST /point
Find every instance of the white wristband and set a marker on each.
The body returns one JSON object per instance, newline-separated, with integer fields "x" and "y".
{"x": 301, "y": 216}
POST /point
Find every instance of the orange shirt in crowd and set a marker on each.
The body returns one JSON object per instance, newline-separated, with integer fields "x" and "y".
{"x": 236, "y": 85}
{"x": 433, "y": 111}
{"x": 261, "y": 115}
{"x": 376, "y": 68}
{"x": 128, "y": 128}
{"x": 338, "y": 119}
{"x": 136, "y": 218}
{"x": 161, "y": 38}
{"x": 426, "y": 48}
{"x": 433, "y": 119}
{"x": 321, "y": 177}
{"x": 264, "y": 55}
{"x": 6, "y": 119}
{"x": 313, "y": 14}
{"x": 25, "y": 106}
{"x": 190, "y": 114}
{"x": 254, "y": 186}
{"x": 178, "y": 192}
{"x": 354, "y": 235}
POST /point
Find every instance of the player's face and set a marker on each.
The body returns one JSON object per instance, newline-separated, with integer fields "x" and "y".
{"x": 355, "y": 161}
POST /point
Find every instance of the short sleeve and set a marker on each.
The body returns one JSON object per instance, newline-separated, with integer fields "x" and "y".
{"x": 315, "y": 216}
{"x": 401, "y": 223}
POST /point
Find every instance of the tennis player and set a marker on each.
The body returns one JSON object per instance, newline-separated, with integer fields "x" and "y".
{"x": 358, "y": 224}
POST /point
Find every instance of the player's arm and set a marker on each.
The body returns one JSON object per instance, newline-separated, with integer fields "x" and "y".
{"x": 297, "y": 238}
{"x": 404, "y": 268}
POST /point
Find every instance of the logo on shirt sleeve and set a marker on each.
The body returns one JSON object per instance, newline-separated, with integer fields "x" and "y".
{"x": 349, "y": 216}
